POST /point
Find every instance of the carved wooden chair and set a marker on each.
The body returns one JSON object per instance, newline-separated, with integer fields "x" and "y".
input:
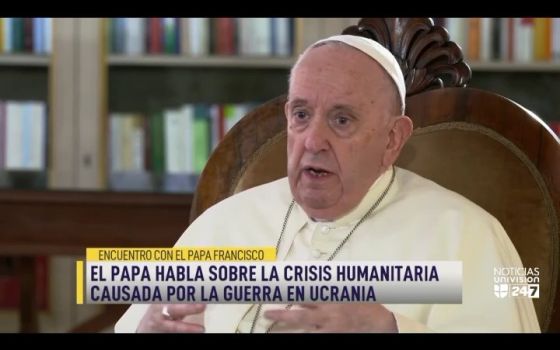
{"x": 477, "y": 143}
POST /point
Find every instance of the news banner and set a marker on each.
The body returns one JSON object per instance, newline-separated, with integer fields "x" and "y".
{"x": 252, "y": 275}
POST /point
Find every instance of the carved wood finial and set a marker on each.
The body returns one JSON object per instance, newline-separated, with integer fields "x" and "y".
{"x": 427, "y": 58}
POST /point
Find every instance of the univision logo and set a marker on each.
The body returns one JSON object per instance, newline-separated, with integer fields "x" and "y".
{"x": 501, "y": 290}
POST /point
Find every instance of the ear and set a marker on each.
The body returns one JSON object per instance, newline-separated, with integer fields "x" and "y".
{"x": 400, "y": 132}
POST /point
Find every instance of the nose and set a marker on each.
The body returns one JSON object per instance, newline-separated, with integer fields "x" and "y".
{"x": 316, "y": 137}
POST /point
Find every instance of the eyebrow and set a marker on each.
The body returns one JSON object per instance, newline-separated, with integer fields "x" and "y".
{"x": 302, "y": 102}
{"x": 298, "y": 102}
{"x": 345, "y": 107}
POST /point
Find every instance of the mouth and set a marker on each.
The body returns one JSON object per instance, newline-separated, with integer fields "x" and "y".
{"x": 316, "y": 172}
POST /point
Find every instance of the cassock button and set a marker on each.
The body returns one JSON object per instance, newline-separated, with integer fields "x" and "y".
{"x": 325, "y": 229}
{"x": 316, "y": 253}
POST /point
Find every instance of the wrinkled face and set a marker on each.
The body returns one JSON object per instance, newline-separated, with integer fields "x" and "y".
{"x": 340, "y": 112}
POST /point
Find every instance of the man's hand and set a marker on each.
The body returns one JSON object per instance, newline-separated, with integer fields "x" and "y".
{"x": 173, "y": 319}
{"x": 337, "y": 318}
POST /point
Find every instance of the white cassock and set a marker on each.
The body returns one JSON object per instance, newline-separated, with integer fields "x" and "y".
{"x": 417, "y": 220}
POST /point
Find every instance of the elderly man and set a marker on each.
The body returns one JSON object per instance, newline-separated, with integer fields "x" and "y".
{"x": 343, "y": 199}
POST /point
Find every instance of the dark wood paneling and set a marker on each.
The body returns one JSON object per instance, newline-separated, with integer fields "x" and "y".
{"x": 66, "y": 222}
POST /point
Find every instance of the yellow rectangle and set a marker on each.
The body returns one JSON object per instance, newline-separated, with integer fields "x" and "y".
{"x": 79, "y": 282}
{"x": 182, "y": 254}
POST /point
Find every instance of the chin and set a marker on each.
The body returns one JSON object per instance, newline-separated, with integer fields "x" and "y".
{"x": 316, "y": 202}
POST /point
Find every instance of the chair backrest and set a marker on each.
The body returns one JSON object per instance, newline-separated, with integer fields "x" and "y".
{"x": 477, "y": 143}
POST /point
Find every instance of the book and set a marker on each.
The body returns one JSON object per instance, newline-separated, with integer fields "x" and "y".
{"x": 10, "y": 284}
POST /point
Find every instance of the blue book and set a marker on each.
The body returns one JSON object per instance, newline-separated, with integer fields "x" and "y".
{"x": 39, "y": 35}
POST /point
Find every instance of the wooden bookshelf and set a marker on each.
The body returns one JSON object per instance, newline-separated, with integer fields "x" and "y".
{"x": 24, "y": 60}
{"x": 203, "y": 61}
{"x": 66, "y": 222}
{"x": 512, "y": 67}
{"x": 286, "y": 63}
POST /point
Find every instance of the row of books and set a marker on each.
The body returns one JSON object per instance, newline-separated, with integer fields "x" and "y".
{"x": 201, "y": 36}
{"x": 506, "y": 39}
{"x": 23, "y": 129}
{"x": 10, "y": 283}
{"x": 174, "y": 142}
{"x": 26, "y": 35}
